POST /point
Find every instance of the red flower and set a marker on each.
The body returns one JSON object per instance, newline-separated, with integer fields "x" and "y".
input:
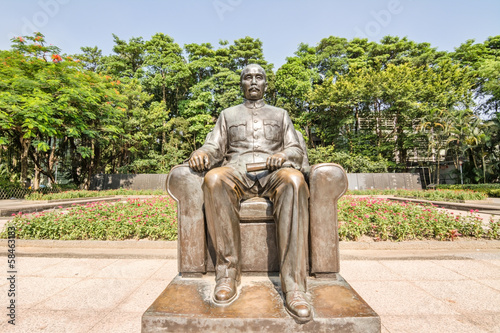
{"x": 56, "y": 58}
{"x": 21, "y": 39}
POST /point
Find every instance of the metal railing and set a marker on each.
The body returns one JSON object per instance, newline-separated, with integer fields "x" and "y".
{"x": 20, "y": 193}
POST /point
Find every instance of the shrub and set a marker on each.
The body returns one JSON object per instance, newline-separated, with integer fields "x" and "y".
{"x": 494, "y": 229}
{"x": 90, "y": 194}
{"x": 433, "y": 195}
{"x": 494, "y": 193}
{"x": 492, "y": 190}
{"x": 352, "y": 163}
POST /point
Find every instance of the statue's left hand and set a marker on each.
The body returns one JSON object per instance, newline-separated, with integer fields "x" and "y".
{"x": 275, "y": 161}
{"x": 199, "y": 161}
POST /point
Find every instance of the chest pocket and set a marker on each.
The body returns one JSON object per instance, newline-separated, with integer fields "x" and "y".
{"x": 271, "y": 130}
{"x": 237, "y": 132}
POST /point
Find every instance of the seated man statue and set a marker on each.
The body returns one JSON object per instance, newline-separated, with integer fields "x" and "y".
{"x": 248, "y": 133}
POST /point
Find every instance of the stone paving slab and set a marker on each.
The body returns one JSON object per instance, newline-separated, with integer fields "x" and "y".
{"x": 85, "y": 295}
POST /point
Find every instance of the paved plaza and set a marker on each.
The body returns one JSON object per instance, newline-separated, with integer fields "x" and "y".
{"x": 426, "y": 290}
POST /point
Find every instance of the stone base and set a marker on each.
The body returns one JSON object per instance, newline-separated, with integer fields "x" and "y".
{"x": 186, "y": 306}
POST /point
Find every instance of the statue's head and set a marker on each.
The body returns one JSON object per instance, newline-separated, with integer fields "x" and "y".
{"x": 253, "y": 82}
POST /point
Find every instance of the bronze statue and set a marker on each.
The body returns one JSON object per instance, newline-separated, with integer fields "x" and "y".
{"x": 248, "y": 133}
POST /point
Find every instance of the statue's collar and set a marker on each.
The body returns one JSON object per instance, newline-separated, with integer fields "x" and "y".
{"x": 254, "y": 104}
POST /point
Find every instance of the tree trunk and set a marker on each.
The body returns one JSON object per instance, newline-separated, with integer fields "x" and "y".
{"x": 52, "y": 161}
{"x": 437, "y": 172}
{"x": 25, "y": 146}
{"x": 163, "y": 138}
{"x": 74, "y": 162}
{"x": 438, "y": 164}
{"x": 36, "y": 179}
{"x": 484, "y": 167}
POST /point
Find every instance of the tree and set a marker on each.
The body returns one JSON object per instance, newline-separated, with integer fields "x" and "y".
{"x": 128, "y": 58}
{"x": 48, "y": 100}
{"x": 165, "y": 71}
{"x": 216, "y": 81}
{"x": 91, "y": 58}
{"x": 437, "y": 125}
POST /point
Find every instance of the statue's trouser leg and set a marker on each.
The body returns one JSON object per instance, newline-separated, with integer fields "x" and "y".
{"x": 222, "y": 192}
{"x": 289, "y": 193}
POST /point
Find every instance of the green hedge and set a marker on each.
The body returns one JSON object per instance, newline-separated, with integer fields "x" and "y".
{"x": 350, "y": 162}
{"x": 491, "y": 190}
{"x": 434, "y": 195}
{"x": 90, "y": 194}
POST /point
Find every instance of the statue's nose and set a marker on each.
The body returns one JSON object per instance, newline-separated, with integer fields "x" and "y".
{"x": 254, "y": 80}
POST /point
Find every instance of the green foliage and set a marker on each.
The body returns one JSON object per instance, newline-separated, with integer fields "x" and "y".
{"x": 433, "y": 195}
{"x": 90, "y": 194}
{"x": 492, "y": 190}
{"x": 145, "y": 107}
{"x": 47, "y": 102}
{"x": 447, "y": 195}
{"x": 350, "y": 162}
{"x": 9, "y": 189}
{"x": 494, "y": 229}
{"x": 153, "y": 218}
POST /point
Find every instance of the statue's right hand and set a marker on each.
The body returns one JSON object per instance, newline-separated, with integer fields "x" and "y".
{"x": 199, "y": 161}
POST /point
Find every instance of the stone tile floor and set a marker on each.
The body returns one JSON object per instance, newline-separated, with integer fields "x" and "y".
{"x": 110, "y": 295}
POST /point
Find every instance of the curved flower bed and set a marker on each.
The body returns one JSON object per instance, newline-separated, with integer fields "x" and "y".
{"x": 383, "y": 219}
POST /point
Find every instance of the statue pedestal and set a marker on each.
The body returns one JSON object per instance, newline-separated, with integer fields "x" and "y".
{"x": 186, "y": 306}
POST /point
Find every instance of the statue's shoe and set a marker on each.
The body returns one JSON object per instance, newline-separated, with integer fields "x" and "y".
{"x": 225, "y": 290}
{"x": 297, "y": 306}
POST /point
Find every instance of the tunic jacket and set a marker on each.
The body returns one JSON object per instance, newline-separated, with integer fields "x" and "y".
{"x": 251, "y": 132}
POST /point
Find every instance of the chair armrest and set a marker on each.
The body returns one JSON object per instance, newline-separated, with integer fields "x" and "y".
{"x": 327, "y": 183}
{"x": 184, "y": 186}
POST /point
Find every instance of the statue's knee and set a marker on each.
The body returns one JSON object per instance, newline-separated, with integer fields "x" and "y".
{"x": 212, "y": 179}
{"x": 294, "y": 177}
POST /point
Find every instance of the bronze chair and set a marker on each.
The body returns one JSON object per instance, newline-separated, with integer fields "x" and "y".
{"x": 327, "y": 183}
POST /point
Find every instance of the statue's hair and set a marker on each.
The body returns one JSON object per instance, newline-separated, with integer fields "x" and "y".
{"x": 247, "y": 67}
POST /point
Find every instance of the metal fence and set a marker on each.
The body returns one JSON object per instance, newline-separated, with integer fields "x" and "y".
{"x": 20, "y": 193}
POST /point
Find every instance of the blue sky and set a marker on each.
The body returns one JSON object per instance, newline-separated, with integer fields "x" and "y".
{"x": 280, "y": 24}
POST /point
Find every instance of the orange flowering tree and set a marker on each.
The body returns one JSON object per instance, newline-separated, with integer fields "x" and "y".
{"x": 50, "y": 107}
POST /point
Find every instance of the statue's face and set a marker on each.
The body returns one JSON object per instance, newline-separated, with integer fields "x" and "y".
{"x": 253, "y": 83}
